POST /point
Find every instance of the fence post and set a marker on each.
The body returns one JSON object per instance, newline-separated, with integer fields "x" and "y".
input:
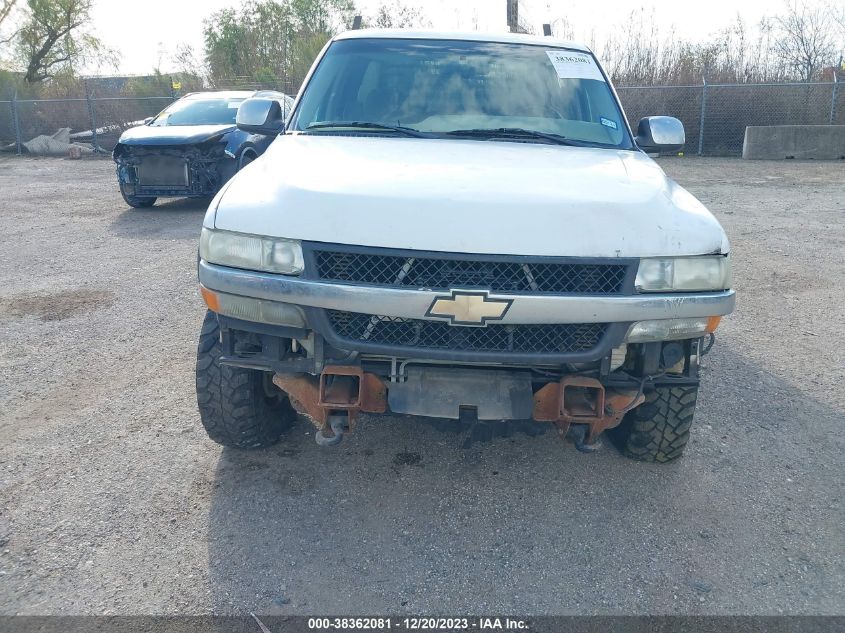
{"x": 833, "y": 99}
{"x": 92, "y": 119}
{"x": 701, "y": 116}
{"x": 16, "y": 124}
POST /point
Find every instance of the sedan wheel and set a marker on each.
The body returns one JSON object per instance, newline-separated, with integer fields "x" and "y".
{"x": 137, "y": 202}
{"x": 246, "y": 159}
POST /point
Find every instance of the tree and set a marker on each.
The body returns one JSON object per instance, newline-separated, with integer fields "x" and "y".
{"x": 838, "y": 13}
{"x": 254, "y": 39}
{"x": 322, "y": 16}
{"x": 6, "y": 9}
{"x": 270, "y": 38}
{"x": 632, "y": 52}
{"x": 637, "y": 53}
{"x": 805, "y": 41}
{"x": 395, "y": 15}
{"x": 55, "y": 37}
{"x": 185, "y": 61}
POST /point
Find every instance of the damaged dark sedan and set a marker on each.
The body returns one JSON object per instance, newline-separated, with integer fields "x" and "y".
{"x": 190, "y": 149}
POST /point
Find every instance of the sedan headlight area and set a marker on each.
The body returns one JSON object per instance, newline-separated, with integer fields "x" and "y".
{"x": 685, "y": 274}
{"x": 671, "y": 329}
{"x": 253, "y": 252}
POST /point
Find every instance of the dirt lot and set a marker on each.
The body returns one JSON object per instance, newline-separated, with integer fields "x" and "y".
{"x": 112, "y": 499}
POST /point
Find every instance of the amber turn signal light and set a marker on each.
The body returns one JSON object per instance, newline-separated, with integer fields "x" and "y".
{"x": 210, "y": 299}
{"x": 713, "y": 323}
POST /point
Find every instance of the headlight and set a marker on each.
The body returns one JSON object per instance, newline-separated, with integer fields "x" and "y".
{"x": 666, "y": 274}
{"x": 239, "y": 250}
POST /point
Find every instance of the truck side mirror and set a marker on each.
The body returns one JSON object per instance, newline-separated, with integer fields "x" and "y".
{"x": 260, "y": 116}
{"x": 660, "y": 134}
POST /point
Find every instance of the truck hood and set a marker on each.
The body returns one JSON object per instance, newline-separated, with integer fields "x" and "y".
{"x": 466, "y": 196}
{"x": 172, "y": 135}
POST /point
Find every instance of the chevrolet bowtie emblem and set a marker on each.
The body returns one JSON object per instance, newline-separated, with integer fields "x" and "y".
{"x": 469, "y": 307}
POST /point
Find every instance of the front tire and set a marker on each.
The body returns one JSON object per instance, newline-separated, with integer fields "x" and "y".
{"x": 137, "y": 202}
{"x": 658, "y": 430}
{"x": 238, "y": 407}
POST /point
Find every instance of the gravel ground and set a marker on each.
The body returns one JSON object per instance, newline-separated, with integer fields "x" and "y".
{"x": 112, "y": 499}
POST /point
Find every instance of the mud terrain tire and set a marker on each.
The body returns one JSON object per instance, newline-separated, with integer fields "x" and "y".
{"x": 238, "y": 407}
{"x": 658, "y": 430}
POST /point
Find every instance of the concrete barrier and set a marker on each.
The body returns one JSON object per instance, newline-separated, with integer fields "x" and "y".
{"x": 776, "y": 142}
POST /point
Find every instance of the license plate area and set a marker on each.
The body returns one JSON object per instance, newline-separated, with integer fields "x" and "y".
{"x": 163, "y": 171}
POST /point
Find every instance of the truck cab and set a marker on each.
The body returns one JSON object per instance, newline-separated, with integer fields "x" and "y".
{"x": 458, "y": 226}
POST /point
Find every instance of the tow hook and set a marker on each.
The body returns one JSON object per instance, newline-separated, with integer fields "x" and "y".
{"x": 582, "y": 408}
{"x": 579, "y": 433}
{"x": 339, "y": 424}
{"x": 333, "y": 399}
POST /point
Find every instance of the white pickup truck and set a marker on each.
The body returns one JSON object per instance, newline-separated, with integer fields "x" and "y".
{"x": 458, "y": 226}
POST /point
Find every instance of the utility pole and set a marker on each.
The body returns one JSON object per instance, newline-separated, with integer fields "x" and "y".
{"x": 513, "y": 16}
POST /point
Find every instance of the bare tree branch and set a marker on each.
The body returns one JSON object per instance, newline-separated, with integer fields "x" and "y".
{"x": 6, "y": 8}
{"x": 806, "y": 41}
{"x": 395, "y": 15}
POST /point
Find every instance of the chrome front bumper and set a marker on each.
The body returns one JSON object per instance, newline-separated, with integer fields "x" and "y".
{"x": 414, "y": 304}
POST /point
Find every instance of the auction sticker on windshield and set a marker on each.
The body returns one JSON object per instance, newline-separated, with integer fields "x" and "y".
{"x": 571, "y": 65}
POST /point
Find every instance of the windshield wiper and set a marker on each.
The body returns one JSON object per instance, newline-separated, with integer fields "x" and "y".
{"x": 407, "y": 131}
{"x": 515, "y": 133}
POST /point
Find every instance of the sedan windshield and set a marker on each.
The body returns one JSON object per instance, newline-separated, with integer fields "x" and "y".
{"x": 462, "y": 89}
{"x": 199, "y": 112}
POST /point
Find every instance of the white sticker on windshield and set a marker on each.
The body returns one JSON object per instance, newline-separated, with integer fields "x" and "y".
{"x": 571, "y": 65}
{"x": 234, "y": 105}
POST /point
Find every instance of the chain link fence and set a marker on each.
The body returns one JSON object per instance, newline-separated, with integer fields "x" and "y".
{"x": 714, "y": 115}
{"x": 96, "y": 122}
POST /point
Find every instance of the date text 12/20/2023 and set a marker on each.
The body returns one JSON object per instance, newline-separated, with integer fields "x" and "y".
{"x": 419, "y": 624}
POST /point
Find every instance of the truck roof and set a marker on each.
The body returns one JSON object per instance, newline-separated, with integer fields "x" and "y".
{"x": 473, "y": 36}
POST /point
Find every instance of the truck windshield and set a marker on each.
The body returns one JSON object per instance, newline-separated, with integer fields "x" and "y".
{"x": 477, "y": 90}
